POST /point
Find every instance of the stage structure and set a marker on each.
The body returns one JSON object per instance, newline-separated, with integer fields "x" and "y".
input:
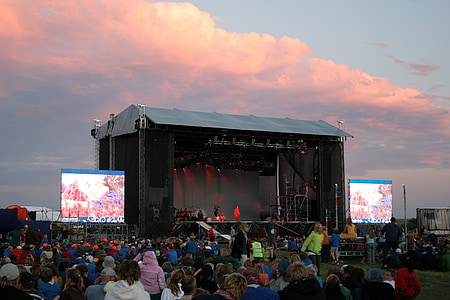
{"x": 182, "y": 159}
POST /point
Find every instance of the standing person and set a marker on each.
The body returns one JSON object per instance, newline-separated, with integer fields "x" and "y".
{"x": 271, "y": 231}
{"x": 216, "y": 212}
{"x": 392, "y": 233}
{"x": 325, "y": 247}
{"x": 335, "y": 242}
{"x": 38, "y": 235}
{"x": 241, "y": 249}
{"x": 211, "y": 235}
{"x": 313, "y": 246}
{"x": 232, "y": 234}
{"x": 16, "y": 235}
{"x": 30, "y": 236}
{"x": 407, "y": 286}
{"x": 152, "y": 275}
{"x": 370, "y": 245}
{"x": 126, "y": 287}
{"x": 237, "y": 213}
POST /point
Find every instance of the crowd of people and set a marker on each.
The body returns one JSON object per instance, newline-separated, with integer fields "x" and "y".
{"x": 199, "y": 268}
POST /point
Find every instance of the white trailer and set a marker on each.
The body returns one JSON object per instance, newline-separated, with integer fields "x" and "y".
{"x": 434, "y": 219}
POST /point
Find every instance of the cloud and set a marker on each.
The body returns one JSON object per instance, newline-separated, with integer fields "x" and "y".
{"x": 419, "y": 69}
{"x": 381, "y": 45}
{"x": 64, "y": 63}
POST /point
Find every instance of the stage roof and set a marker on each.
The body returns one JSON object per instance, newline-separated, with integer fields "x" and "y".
{"x": 124, "y": 122}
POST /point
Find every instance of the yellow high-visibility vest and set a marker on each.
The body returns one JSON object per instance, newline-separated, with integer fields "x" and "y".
{"x": 257, "y": 249}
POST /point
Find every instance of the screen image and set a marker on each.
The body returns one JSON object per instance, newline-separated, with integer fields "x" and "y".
{"x": 370, "y": 200}
{"x": 95, "y": 196}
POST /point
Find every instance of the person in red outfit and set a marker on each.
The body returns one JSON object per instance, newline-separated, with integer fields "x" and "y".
{"x": 237, "y": 213}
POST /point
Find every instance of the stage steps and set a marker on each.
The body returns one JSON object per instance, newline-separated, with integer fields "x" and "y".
{"x": 216, "y": 232}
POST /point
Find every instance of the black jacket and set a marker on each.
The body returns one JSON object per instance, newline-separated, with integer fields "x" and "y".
{"x": 240, "y": 243}
{"x": 304, "y": 288}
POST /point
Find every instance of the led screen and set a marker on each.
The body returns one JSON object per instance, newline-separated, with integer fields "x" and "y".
{"x": 370, "y": 200}
{"x": 92, "y": 196}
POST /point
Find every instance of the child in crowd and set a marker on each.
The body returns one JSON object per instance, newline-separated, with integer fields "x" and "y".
{"x": 335, "y": 241}
{"x": 49, "y": 287}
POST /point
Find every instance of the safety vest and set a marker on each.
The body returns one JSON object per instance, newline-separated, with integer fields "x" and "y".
{"x": 257, "y": 249}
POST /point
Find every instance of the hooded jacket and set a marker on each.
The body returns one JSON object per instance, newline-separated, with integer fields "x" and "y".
{"x": 152, "y": 276}
{"x": 304, "y": 288}
{"x": 122, "y": 290}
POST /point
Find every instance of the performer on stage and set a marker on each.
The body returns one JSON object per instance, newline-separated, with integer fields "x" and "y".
{"x": 216, "y": 212}
{"x": 236, "y": 213}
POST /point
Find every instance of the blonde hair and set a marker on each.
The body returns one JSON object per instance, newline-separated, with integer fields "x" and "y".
{"x": 295, "y": 257}
{"x": 295, "y": 271}
{"x": 235, "y": 285}
{"x": 243, "y": 226}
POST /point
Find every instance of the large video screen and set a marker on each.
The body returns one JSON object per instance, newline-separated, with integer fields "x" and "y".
{"x": 95, "y": 196}
{"x": 370, "y": 200}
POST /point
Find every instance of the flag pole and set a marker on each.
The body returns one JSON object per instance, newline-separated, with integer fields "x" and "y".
{"x": 406, "y": 221}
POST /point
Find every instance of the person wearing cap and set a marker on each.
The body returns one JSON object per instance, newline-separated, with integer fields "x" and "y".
{"x": 393, "y": 234}
{"x": 281, "y": 282}
{"x": 96, "y": 291}
{"x": 377, "y": 289}
{"x": 26, "y": 282}
{"x": 9, "y": 277}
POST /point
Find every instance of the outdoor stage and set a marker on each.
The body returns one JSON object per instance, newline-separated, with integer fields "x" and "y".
{"x": 293, "y": 169}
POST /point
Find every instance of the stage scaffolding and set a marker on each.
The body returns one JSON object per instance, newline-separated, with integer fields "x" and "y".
{"x": 292, "y": 208}
{"x": 77, "y": 232}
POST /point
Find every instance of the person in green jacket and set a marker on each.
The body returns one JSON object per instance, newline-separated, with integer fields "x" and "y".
{"x": 313, "y": 245}
{"x": 446, "y": 259}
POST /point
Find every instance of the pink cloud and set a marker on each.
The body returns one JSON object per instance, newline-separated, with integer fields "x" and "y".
{"x": 114, "y": 53}
{"x": 419, "y": 69}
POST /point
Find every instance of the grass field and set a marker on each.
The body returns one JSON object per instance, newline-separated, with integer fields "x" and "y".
{"x": 435, "y": 285}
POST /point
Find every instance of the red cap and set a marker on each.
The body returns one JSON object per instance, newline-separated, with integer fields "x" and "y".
{"x": 96, "y": 247}
{"x": 45, "y": 245}
{"x": 114, "y": 247}
{"x": 115, "y": 242}
{"x": 74, "y": 245}
{"x": 105, "y": 240}
{"x": 86, "y": 244}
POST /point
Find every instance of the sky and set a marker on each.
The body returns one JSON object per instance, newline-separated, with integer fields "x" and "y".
{"x": 381, "y": 66}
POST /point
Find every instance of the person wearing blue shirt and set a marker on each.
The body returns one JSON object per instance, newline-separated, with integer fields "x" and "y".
{"x": 191, "y": 247}
{"x": 335, "y": 241}
{"x": 171, "y": 256}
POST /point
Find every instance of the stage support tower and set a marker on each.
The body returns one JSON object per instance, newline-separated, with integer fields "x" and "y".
{"x": 112, "y": 151}
{"x": 94, "y": 134}
{"x": 142, "y": 128}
